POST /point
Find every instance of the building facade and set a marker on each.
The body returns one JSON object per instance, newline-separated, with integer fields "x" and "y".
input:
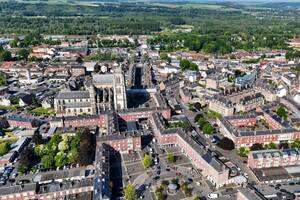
{"x": 273, "y": 158}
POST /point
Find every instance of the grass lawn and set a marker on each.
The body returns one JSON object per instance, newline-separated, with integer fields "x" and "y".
{"x": 213, "y": 114}
{"x": 42, "y": 111}
{"x": 9, "y": 140}
{"x": 8, "y": 132}
{"x": 12, "y": 107}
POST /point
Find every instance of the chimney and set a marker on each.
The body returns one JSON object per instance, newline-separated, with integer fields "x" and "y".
{"x": 28, "y": 74}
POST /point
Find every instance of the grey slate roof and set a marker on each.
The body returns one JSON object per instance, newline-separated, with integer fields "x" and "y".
{"x": 103, "y": 78}
{"x": 73, "y": 95}
{"x": 17, "y": 189}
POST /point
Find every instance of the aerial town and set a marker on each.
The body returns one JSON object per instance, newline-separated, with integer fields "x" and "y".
{"x": 111, "y": 117}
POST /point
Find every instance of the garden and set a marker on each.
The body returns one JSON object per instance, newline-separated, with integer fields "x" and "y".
{"x": 60, "y": 151}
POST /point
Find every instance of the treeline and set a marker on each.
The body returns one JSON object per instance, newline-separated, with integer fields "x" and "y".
{"x": 79, "y": 25}
{"x": 138, "y": 18}
{"x": 32, "y": 39}
{"x": 116, "y": 43}
{"x": 45, "y": 9}
{"x": 218, "y": 44}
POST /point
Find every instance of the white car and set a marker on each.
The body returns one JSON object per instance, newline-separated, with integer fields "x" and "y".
{"x": 213, "y": 196}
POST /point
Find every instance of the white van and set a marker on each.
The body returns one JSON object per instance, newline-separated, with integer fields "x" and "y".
{"x": 213, "y": 196}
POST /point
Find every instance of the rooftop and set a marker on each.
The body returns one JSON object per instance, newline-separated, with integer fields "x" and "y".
{"x": 73, "y": 95}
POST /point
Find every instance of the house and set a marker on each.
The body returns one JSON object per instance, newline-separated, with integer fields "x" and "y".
{"x": 3, "y": 123}
{"x": 78, "y": 70}
{"x": 47, "y": 103}
{"x": 295, "y": 42}
{"x": 21, "y": 121}
{"x": 5, "y": 100}
{"x": 185, "y": 95}
{"x": 25, "y": 99}
{"x": 91, "y": 66}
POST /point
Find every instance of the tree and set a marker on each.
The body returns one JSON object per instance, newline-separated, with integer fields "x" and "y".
{"x": 196, "y": 198}
{"x": 4, "y": 148}
{"x": 72, "y": 156}
{"x": 159, "y": 193}
{"x": 86, "y": 148}
{"x": 55, "y": 140}
{"x": 2, "y": 79}
{"x": 202, "y": 121}
{"x": 282, "y": 112}
{"x": 60, "y": 159}
{"x": 47, "y": 161}
{"x": 198, "y": 106}
{"x": 170, "y": 158}
{"x": 130, "y": 192}
{"x": 26, "y": 158}
{"x": 75, "y": 140}
{"x": 271, "y": 145}
{"x": 163, "y": 56}
{"x": 5, "y": 55}
{"x": 296, "y": 144}
{"x": 14, "y": 43}
{"x": 208, "y": 129}
{"x": 283, "y": 145}
{"x": 243, "y": 151}
{"x": 79, "y": 60}
{"x": 23, "y": 54}
{"x": 186, "y": 190}
{"x": 184, "y": 64}
{"x": 63, "y": 146}
{"x": 193, "y": 66}
{"x": 297, "y": 68}
{"x": 37, "y": 138}
{"x": 187, "y": 65}
{"x": 147, "y": 161}
{"x": 39, "y": 149}
{"x": 226, "y": 144}
{"x": 197, "y": 118}
{"x": 256, "y": 147}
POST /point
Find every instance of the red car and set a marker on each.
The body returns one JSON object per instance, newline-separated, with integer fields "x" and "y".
{"x": 178, "y": 174}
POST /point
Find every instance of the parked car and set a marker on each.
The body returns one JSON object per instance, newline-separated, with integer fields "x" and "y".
{"x": 213, "y": 195}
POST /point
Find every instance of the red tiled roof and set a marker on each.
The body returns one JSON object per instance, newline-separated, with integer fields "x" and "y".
{"x": 295, "y": 40}
{"x": 8, "y": 65}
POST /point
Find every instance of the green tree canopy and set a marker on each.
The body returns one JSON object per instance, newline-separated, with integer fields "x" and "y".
{"x": 187, "y": 65}
{"x": 147, "y": 161}
{"x": 72, "y": 156}
{"x": 130, "y": 192}
{"x": 2, "y": 79}
{"x": 5, "y": 55}
{"x": 23, "y": 54}
{"x": 4, "y": 148}
{"x": 282, "y": 112}
{"x": 60, "y": 159}
{"x": 39, "y": 150}
{"x": 271, "y": 145}
{"x": 47, "y": 161}
{"x": 208, "y": 129}
{"x": 296, "y": 144}
{"x": 170, "y": 158}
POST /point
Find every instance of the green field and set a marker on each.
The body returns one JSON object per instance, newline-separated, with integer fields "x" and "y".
{"x": 195, "y": 6}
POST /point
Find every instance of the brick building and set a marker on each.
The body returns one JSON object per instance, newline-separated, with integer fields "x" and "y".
{"x": 237, "y": 100}
{"x": 273, "y": 158}
{"x": 211, "y": 167}
{"x": 19, "y": 121}
{"x": 279, "y": 130}
{"x": 123, "y": 141}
